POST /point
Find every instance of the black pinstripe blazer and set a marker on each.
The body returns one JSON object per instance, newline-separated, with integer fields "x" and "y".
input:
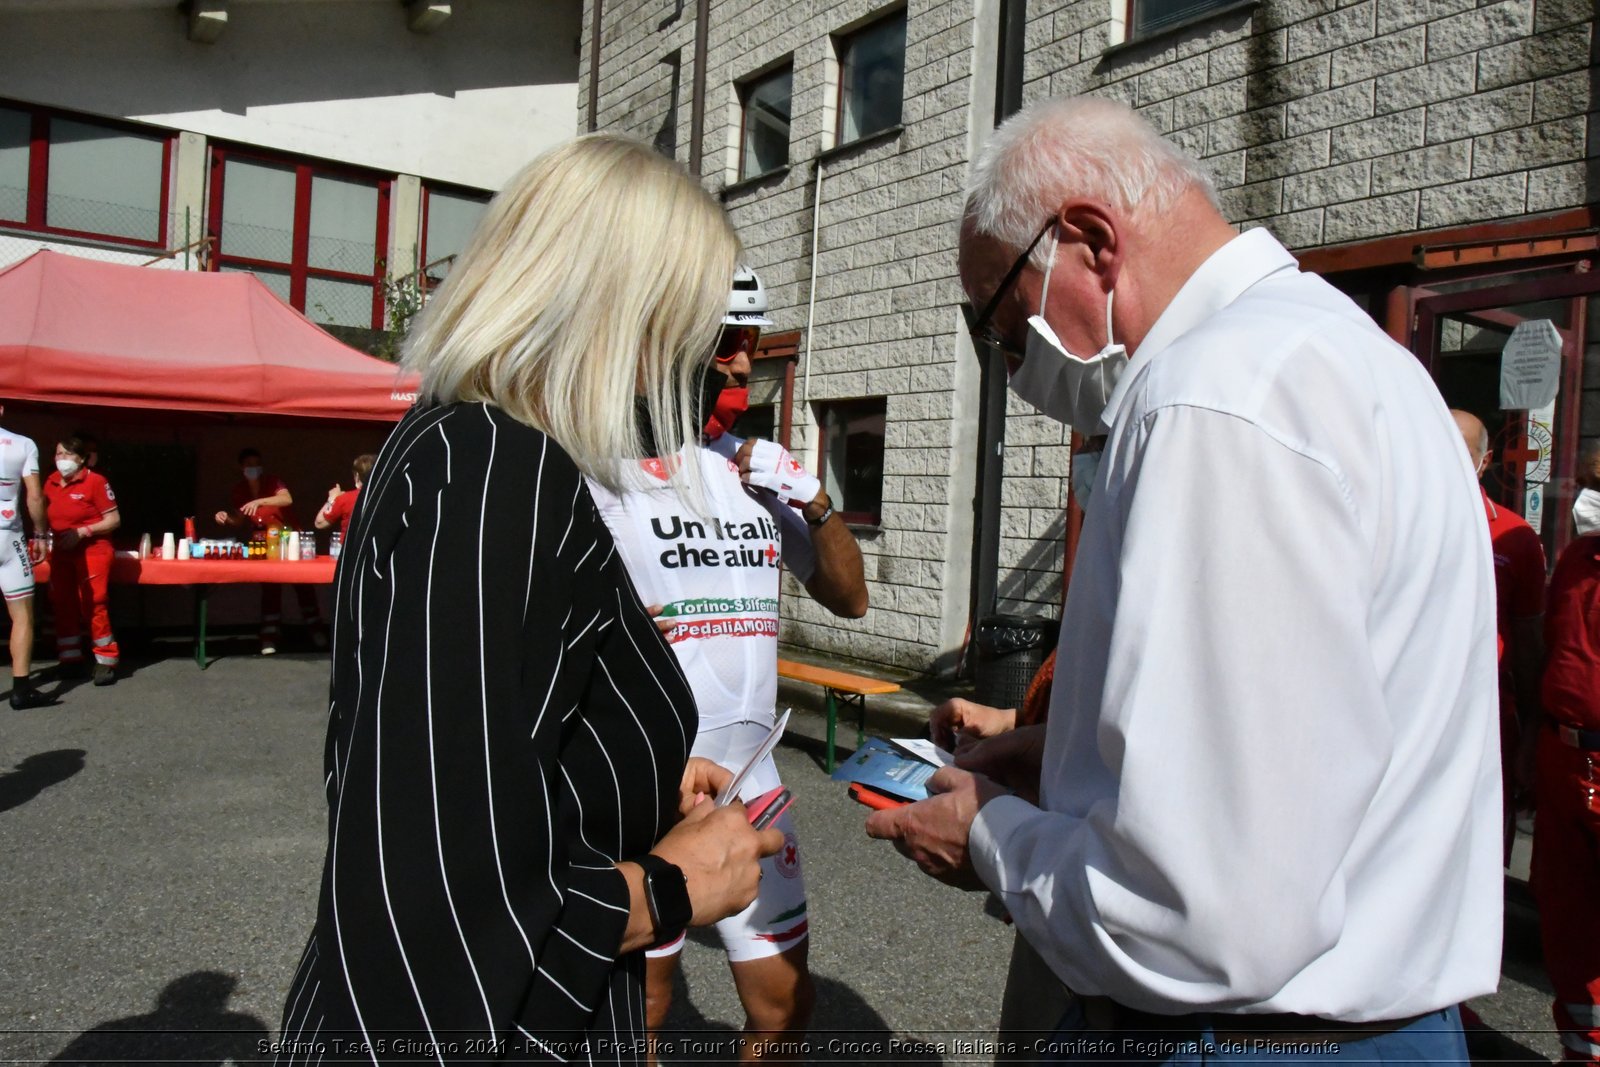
{"x": 505, "y": 724}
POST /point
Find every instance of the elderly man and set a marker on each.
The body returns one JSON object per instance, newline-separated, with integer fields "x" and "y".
{"x": 1519, "y": 623}
{"x": 1268, "y": 791}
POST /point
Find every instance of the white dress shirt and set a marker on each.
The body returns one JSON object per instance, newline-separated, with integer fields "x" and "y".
{"x": 1271, "y": 777}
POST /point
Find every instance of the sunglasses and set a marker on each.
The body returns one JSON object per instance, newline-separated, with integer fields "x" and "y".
{"x": 983, "y": 332}
{"x": 736, "y": 339}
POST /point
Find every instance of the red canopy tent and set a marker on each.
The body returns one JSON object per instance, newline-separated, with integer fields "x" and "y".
{"x": 161, "y": 363}
{"x": 79, "y": 331}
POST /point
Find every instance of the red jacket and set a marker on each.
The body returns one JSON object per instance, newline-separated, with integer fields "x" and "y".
{"x": 1572, "y": 637}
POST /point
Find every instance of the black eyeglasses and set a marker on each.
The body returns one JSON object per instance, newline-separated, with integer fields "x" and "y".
{"x": 978, "y": 325}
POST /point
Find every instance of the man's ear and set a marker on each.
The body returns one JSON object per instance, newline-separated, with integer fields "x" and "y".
{"x": 1093, "y": 227}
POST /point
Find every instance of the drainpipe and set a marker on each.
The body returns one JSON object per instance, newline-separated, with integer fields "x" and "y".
{"x": 594, "y": 65}
{"x": 811, "y": 298}
{"x": 697, "y": 106}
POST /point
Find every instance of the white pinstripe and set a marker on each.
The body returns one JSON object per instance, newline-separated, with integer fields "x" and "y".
{"x": 655, "y": 778}
{"x": 377, "y": 798}
{"x": 581, "y": 1005}
{"x": 433, "y": 767}
{"x": 483, "y": 692}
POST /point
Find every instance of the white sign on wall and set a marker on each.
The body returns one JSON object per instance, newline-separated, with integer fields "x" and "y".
{"x": 1530, "y": 366}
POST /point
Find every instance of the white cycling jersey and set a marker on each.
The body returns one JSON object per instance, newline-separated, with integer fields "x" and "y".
{"x": 716, "y": 576}
{"x": 19, "y": 457}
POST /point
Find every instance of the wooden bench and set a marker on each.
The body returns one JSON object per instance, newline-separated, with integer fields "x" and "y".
{"x": 841, "y": 687}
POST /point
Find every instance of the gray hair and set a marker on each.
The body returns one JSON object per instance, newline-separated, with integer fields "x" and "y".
{"x": 1067, "y": 146}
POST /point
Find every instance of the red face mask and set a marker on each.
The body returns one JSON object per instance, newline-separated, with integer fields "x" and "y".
{"x": 731, "y": 403}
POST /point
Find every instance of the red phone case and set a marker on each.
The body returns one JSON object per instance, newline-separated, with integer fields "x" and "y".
{"x": 865, "y": 794}
{"x": 758, "y": 807}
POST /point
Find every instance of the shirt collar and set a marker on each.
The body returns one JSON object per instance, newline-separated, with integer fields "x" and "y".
{"x": 1221, "y": 279}
{"x": 1488, "y": 505}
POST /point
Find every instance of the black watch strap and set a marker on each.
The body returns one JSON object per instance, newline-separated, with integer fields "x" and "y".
{"x": 827, "y": 513}
{"x": 667, "y": 895}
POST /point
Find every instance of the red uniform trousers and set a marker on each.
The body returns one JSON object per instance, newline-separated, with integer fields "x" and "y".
{"x": 272, "y": 609}
{"x": 1566, "y": 885}
{"x": 80, "y": 592}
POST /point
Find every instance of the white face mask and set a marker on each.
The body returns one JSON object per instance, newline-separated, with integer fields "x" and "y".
{"x": 68, "y": 467}
{"x": 1586, "y": 513}
{"x": 253, "y": 473}
{"x": 1062, "y": 386}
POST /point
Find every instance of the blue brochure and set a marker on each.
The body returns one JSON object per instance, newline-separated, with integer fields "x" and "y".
{"x": 885, "y": 768}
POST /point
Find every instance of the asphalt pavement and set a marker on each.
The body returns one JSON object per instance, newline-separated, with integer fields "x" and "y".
{"x": 162, "y": 842}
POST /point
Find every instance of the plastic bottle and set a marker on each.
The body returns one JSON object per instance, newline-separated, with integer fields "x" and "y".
{"x": 274, "y": 542}
{"x": 334, "y": 544}
{"x": 308, "y": 544}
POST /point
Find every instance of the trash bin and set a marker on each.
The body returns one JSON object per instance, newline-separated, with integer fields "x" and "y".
{"x": 1010, "y": 649}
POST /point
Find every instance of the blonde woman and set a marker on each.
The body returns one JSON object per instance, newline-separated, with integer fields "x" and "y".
{"x": 512, "y": 813}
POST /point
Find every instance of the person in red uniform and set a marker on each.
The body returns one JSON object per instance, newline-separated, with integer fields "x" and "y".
{"x": 82, "y": 511}
{"x": 261, "y": 501}
{"x": 1519, "y": 574}
{"x": 342, "y": 502}
{"x": 1566, "y": 824}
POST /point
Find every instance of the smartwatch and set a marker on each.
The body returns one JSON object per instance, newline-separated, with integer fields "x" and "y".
{"x": 667, "y": 895}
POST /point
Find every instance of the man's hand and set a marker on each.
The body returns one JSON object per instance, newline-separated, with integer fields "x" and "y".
{"x": 960, "y": 722}
{"x": 933, "y": 833}
{"x": 770, "y": 466}
{"x": 224, "y": 519}
{"x": 251, "y": 508}
{"x": 334, "y": 493}
{"x": 1012, "y": 759}
{"x": 666, "y": 626}
{"x": 702, "y": 781}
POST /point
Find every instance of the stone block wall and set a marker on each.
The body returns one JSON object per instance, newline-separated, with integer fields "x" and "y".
{"x": 885, "y": 317}
{"x": 1330, "y": 121}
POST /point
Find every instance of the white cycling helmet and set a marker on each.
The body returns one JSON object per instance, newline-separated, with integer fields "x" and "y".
{"x": 747, "y": 302}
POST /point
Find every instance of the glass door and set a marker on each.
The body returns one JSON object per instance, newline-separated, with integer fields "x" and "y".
{"x": 1462, "y": 330}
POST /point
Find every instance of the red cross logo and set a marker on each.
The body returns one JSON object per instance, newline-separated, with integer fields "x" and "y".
{"x": 1519, "y": 452}
{"x": 771, "y": 553}
{"x": 789, "y": 857}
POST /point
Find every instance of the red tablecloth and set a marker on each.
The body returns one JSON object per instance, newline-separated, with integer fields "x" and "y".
{"x": 130, "y": 571}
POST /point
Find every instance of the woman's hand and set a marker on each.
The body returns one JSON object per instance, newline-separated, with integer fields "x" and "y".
{"x": 251, "y": 508}
{"x": 717, "y": 850}
{"x": 666, "y": 626}
{"x": 333, "y": 494}
{"x": 959, "y": 722}
{"x": 702, "y": 781}
{"x": 223, "y": 519}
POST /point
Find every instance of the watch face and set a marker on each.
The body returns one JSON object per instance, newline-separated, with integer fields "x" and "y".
{"x": 669, "y": 900}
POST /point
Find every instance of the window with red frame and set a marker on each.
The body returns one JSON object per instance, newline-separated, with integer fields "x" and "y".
{"x": 852, "y": 457}
{"x": 315, "y": 233}
{"x": 1148, "y": 17}
{"x": 449, "y": 217}
{"x": 77, "y": 177}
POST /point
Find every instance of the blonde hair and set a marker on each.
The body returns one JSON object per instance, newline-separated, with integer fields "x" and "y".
{"x": 1069, "y": 146}
{"x": 599, "y": 273}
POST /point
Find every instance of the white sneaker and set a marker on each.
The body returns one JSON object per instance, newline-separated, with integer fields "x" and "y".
{"x": 269, "y": 650}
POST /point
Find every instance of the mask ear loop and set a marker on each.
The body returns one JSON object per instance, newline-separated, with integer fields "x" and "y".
{"x": 1112, "y": 295}
{"x": 1050, "y": 264}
